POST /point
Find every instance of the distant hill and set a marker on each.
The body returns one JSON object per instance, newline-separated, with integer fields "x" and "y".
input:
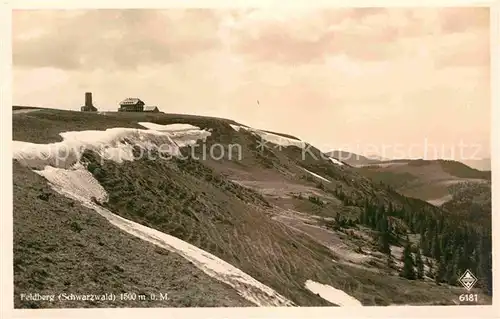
{"x": 377, "y": 157}
{"x": 352, "y": 158}
{"x": 359, "y": 160}
{"x": 480, "y": 164}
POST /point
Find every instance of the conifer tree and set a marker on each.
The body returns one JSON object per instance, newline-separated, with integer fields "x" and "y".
{"x": 364, "y": 214}
{"x": 408, "y": 270}
{"x": 384, "y": 236}
{"x": 451, "y": 275}
{"x": 436, "y": 247}
{"x": 373, "y": 218}
{"x": 440, "y": 271}
{"x": 420, "y": 264}
{"x": 430, "y": 273}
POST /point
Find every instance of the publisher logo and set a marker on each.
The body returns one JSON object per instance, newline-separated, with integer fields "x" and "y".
{"x": 468, "y": 280}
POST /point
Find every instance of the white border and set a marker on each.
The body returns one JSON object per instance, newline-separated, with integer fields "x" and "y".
{"x": 96, "y": 4}
{"x": 6, "y": 293}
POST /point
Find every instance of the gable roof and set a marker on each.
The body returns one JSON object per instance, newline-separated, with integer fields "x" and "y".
{"x": 131, "y": 101}
{"x": 150, "y": 108}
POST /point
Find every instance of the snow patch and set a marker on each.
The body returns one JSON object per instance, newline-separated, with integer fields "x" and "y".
{"x": 336, "y": 161}
{"x": 77, "y": 183}
{"x": 272, "y": 138}
{"x": 116, "y": 144}
{"x": 235, "y": 127}
{"x": 182, "y": 134}
{"x": 316, "y": 175}
{"x": 397, "y": 251}
{"x": 440, "y": 201}
{"x": 169, "y": 127}
{"x": 278, "y": 139}
{"x": 333, "y": 295}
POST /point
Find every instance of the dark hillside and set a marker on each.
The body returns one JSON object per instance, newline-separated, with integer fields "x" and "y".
{"x": 61, "y": 246}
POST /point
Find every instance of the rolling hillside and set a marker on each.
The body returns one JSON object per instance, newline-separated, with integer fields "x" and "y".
{"x": 220, "y": 214}
{"x": 353, "y": 159}
{"x": 429, "y": 180}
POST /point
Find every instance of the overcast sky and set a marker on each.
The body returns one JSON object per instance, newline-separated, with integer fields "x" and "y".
{"x": 355, "y": 79}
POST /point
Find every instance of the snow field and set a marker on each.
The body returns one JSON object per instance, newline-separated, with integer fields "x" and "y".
{"x": 116, "y": 144}
{"x": 332, "y": 295}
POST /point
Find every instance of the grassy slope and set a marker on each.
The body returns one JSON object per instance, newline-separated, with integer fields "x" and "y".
{"x": 19, "y": 107}
{"x": 62, "y": 247}
{"x": 214, "y": 214}
{"x": 207, "y": 214}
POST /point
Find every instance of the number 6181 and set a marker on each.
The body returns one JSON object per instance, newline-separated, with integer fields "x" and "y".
{"x": 468, "y": 297}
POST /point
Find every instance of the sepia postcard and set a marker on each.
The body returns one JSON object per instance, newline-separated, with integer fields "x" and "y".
{"x": 281, "y": 158}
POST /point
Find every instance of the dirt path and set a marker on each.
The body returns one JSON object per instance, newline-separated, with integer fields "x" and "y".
{"x": 308, "y": 225}
{"x": 281, "y": 189}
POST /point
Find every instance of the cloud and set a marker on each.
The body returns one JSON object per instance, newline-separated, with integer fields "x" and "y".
{"x": 464, "y": 19}
{"x": 364, "y": 34}
{"x": 72, "y": 39}
{"x": 398, "y": 74}
{"x": 111, "y": 38}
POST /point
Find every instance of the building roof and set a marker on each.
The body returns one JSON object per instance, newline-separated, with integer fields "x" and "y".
{"x": 131, "y": 101}
{"x": 150, "y": 108}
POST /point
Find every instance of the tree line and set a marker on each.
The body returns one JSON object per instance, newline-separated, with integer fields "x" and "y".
{"x": 448, "y": 244}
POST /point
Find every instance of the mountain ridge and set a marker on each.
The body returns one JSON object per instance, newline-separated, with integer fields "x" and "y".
{"x": 483, "y": 164}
